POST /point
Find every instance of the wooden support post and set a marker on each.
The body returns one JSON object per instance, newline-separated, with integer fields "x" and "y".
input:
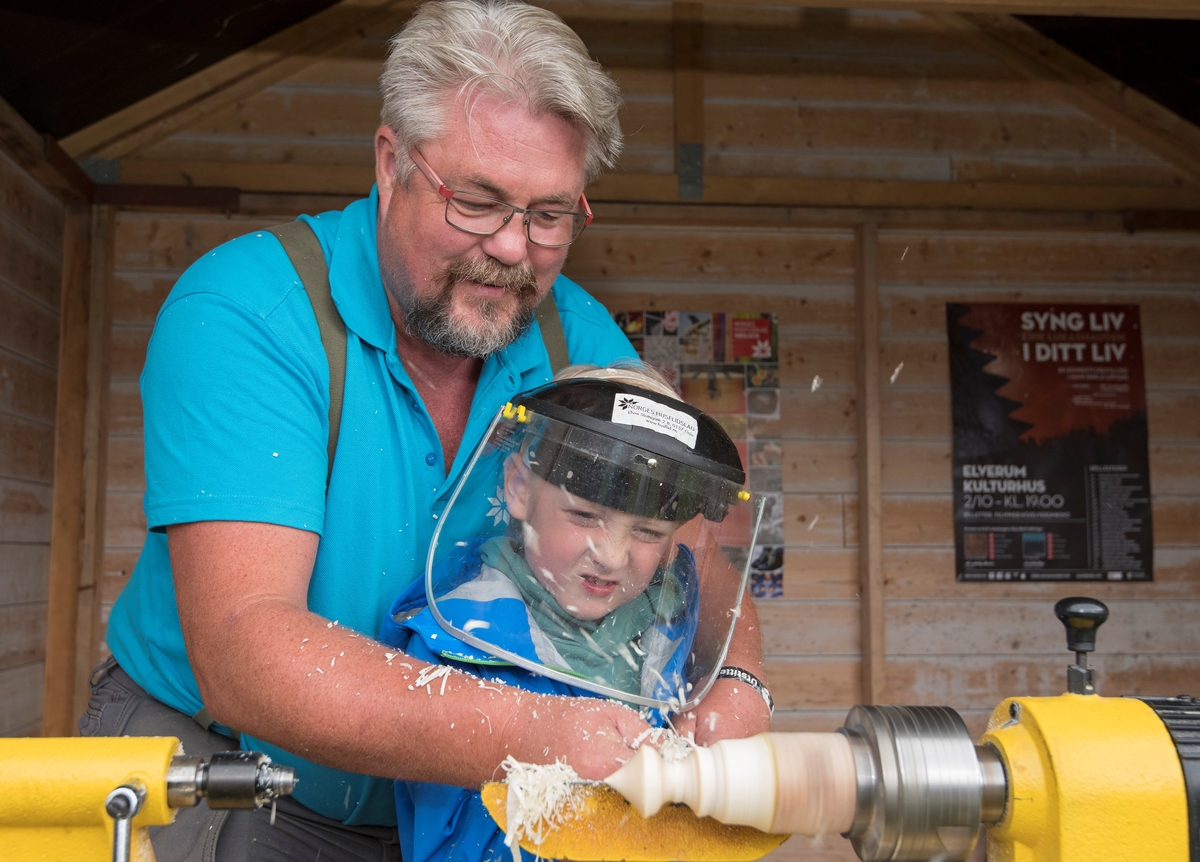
{"x": 688, "y": 36}
{"x": 80, "y": 444}
{"x": 95, "y": 453}
{"x": 870, "y": 529}
{"x": 67, "y": 518}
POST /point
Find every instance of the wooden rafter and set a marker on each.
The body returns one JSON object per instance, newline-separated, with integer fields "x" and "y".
{"x": 247, "y": 72}
{"x": 664, "y": 188}
{"x": 1104, "y": 8}
{"x": 41, "y": 157}
{"x": 1092, "y": 90}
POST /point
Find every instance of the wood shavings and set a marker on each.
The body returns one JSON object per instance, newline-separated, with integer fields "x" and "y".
{"x": 817, "y": 381}
{"x": 671, "y": 746}
{"x": 540, "y": 798}
{"x": 896, "y": 373}
{"x": 431, "y": 672}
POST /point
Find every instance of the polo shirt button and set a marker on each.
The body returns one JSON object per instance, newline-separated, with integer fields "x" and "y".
{"x": 413, "y": 405}
{"x": 431, "y": 459}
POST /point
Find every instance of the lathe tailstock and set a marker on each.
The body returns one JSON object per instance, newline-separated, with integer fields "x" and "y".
{"x": 92, "y": 799}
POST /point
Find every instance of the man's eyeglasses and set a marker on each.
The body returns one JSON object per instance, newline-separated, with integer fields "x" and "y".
{"x": 483, "y": 216}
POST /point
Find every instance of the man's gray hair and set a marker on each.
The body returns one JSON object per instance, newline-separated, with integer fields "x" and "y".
{"x": 516, "y": 51}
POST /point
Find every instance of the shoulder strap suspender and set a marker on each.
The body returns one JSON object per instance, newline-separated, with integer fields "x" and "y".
{"x": 304, "y": 250}
{"x": 553, "y": 336}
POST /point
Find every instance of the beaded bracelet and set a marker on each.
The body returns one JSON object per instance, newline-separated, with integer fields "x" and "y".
{"x": 729, "y": 672}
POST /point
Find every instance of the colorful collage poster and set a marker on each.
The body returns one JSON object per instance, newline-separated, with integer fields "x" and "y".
{"x": 727, "y": 364}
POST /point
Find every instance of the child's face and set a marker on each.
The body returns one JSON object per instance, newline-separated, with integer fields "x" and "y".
{"x": 592, "y": 559}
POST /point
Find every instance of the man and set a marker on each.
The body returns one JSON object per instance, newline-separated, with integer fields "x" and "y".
{"x": 259, "y": 589}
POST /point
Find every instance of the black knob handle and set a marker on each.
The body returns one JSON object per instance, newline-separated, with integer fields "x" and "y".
{"x": 1081, "y": 616}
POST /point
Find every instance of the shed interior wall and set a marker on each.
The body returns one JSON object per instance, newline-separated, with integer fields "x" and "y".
{"x": 31, "y": 229}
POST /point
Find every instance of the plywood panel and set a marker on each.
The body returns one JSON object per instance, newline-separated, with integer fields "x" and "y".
{"x": 22, "y": 634}
{"x": 812, "y": 571}
{"x": 24, "y": 511}
{"x": 989, "y": 626}
{"x": 125, "y": 520}
{"x": 21, "y": 706}
{"x": 824, "y": 413}
{"x": 137, "y": 296}
{"x": 1175, "y": 519}
{"x": 1037, "y": 258}
{"x": 814, "y": 682}
{"x": 916, "y": 466}
{"x": 29, "y": 264}
{"x": 26, "y": 388}
{"x": 980, "y": 682}
{"x": 804, "y": 357}
{"x": 126, "y": 464}
{"x": 733, "y": 254}
{"x": 911, "y": 572}
{"x": 26, "y": 449}
{"x": 832, "y": 127}
{"x": 129, "y": 343}
{"x": 819, "y": 466}
{"x": 792, "y": 628}
{"x": 24, "y": 201}
{"x": 923, "y": 313}
{"x": 814, "y": 519}
{"x": 125, "y": 406}
{"x": 23, "y": 568}
{"x": 28, "y": 327}
{"x": 1174, "y": 468}
{"x": 169, "y": 244}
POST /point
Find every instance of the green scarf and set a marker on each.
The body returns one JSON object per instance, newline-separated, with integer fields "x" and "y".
{"x": 601, "y": 650}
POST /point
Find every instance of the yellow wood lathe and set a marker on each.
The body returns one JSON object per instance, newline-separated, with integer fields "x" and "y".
{"x": 1074, "y": 778}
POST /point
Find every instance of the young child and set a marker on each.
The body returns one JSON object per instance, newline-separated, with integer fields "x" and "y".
{"x": 588, "y": 588}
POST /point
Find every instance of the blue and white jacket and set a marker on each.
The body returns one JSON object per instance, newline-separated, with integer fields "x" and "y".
{"x": 450, "y": 824}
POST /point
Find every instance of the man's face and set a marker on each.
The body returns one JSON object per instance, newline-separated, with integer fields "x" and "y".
{"x": 590, "y": 558}
{"x": 467, "y": 294}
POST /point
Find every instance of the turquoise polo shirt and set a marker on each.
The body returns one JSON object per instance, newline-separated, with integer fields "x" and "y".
{"x": 235, "y": 394}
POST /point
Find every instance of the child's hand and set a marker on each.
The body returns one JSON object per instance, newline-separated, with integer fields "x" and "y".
{"x": 594, "y": 736}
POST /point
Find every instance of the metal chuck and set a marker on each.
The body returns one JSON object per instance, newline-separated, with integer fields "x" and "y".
{"x": 924, "y": 787}
{"x": 228, "y": 779}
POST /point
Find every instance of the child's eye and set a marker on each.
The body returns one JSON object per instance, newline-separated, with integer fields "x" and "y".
{"x": 647, "y": 534}
{"x": 584, "y": 517}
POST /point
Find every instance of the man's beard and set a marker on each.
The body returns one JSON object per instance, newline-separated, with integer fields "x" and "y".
{"x": 432, "y": 320}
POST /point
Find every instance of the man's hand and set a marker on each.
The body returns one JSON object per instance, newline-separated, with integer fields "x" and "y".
{"x": 594, "y": 736}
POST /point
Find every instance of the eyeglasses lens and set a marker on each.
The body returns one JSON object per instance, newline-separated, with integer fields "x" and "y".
{"x": 482, "y": 215}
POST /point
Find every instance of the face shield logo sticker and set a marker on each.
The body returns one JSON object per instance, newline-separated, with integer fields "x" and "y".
{"x": 629, "y": 409}
{"x": 499, "y": 510}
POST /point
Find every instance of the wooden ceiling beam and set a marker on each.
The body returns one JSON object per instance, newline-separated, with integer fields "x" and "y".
{"x": 664, "y": 188}
{"x": 247, "y": 72}
{"x": 42, "y": 157}
{"x": 1098, "y": 8}
{"x": 1108, "y": 100}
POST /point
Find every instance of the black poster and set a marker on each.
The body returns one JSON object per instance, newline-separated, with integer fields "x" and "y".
{"x": 1051, "y": 455}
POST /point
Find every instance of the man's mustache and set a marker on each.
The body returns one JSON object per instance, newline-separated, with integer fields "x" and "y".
{"x": 518, "y": 280}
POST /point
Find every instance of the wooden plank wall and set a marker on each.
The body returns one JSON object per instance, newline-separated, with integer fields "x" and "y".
{"x": 31, "y": 228}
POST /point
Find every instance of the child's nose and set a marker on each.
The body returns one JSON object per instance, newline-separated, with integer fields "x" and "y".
{"x": 610, "y": 551}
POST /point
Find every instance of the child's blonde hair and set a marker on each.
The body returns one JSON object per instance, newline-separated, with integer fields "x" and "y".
{"x": 626, "y": 371}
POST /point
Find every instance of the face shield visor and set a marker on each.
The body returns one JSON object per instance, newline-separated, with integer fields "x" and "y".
{"x": 591, "y": 552}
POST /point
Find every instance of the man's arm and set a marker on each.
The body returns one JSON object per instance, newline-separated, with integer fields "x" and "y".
{"x": 270, "y": 668}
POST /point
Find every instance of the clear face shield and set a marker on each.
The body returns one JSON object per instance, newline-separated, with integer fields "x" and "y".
{"x": 592, "y": 560}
